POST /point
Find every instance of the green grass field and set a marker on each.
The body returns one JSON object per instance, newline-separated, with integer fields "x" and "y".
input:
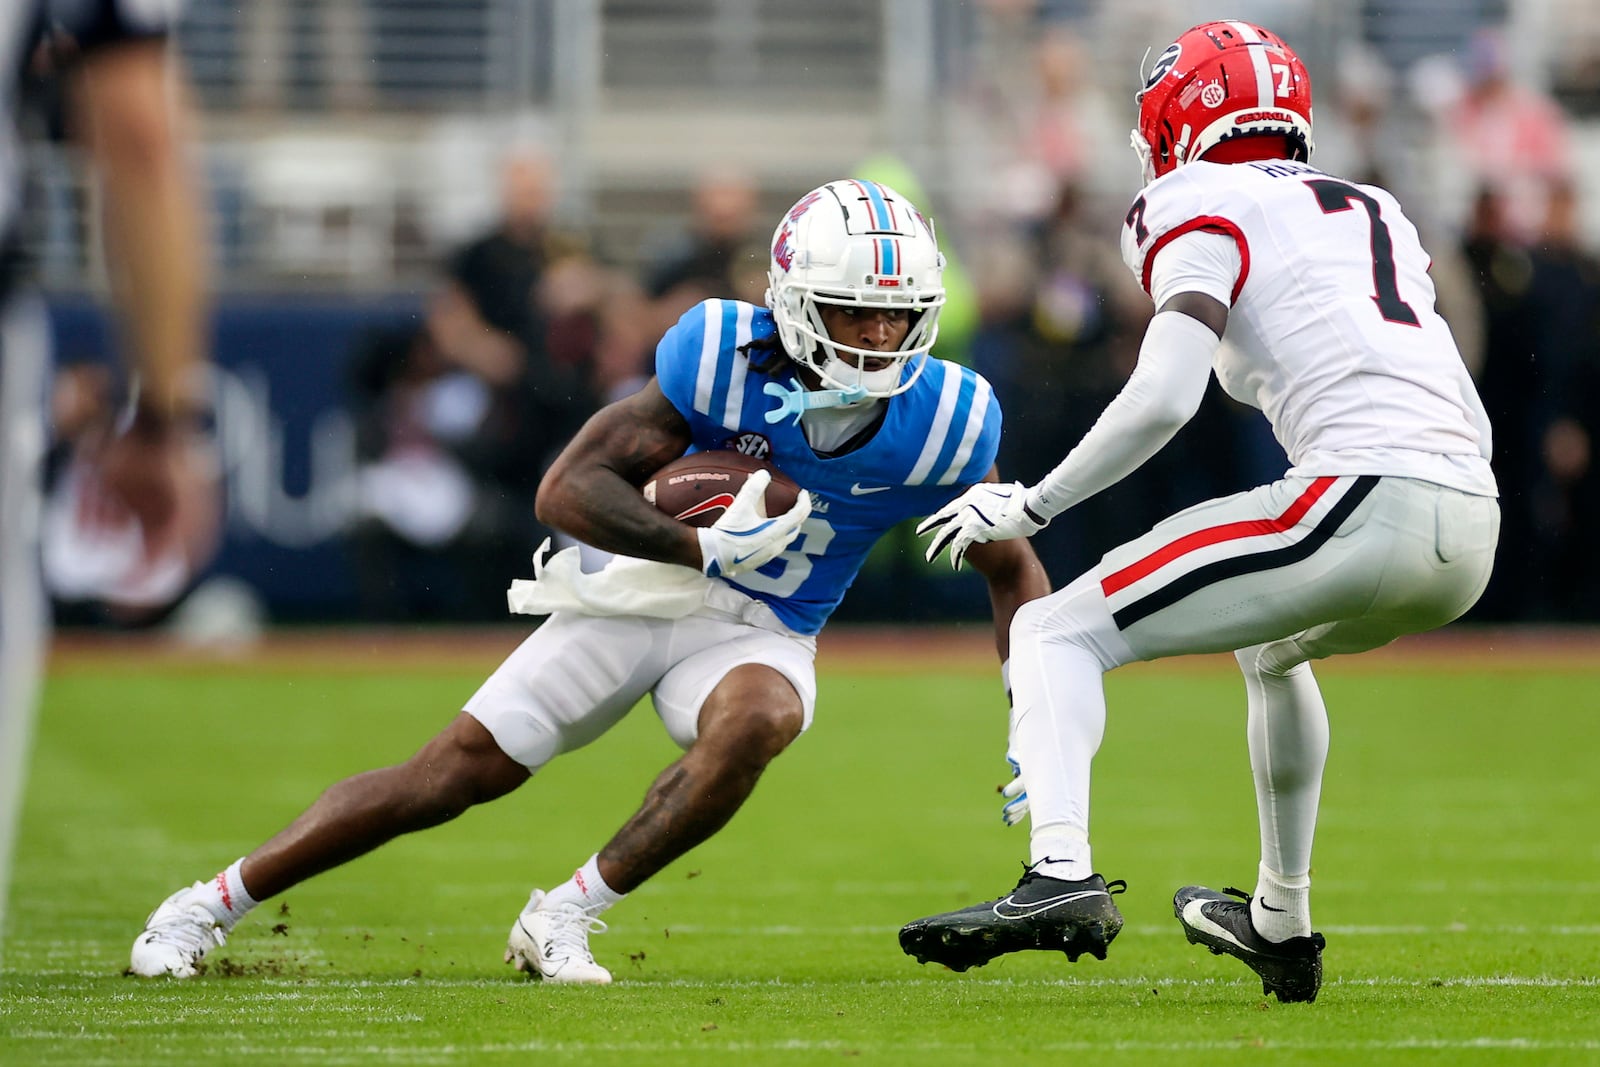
{"x": 1457, "y": 880}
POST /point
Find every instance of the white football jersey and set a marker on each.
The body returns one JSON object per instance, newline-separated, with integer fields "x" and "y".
{"x": 1332, "y": 332}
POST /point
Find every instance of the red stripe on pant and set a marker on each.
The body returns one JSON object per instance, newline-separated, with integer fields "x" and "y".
{"x": 1215, "y": 535}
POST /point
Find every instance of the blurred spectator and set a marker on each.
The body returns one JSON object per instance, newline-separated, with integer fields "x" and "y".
{"x": 1061, "y": 320}
{"x": 1509, "y": 385}
{"x": 448, "y": 460}
{"x": 498, "y": 272}
{"x": 721, "y": 253}
{"x": 1058, "y": 127}
{"x": 1565, "y": 314}
{"x": 1539, "y": 383}
{"x": 1042, "y": 123}
{"x": 457, "y": 419}
{"x": 1507, "y": 135}
{"x": 1355, "y": 143}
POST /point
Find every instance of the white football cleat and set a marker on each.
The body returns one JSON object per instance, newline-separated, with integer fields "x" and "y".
{"x": 552, "y": 943}
{"x": 176, "y": 937}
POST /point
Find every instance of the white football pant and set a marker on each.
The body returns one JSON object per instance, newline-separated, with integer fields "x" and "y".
{"x": 1281, "y": 575}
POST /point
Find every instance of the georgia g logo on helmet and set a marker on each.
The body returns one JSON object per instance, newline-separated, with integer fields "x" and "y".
{"x": 1164, "y": 63}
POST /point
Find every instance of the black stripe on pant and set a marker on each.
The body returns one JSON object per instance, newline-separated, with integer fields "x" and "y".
{"x": 1234, "y": 566}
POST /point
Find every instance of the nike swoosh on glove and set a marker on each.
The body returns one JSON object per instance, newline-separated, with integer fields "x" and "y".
{"x": 744, "y": 538}
{"x": 989, "y": 511}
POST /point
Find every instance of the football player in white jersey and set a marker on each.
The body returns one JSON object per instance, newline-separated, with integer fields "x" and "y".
{"x": 1384, "y": 525}
{"x": 833, "y": 382}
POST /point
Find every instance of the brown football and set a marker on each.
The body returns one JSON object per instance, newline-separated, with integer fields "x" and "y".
{"x": 699, "y": 487}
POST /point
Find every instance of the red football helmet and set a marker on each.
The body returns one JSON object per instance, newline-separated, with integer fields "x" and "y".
{"x": 1219, "y": 81}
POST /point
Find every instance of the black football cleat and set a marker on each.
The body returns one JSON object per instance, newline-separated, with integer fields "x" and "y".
{"x": 1291, "y": 970}
{"x": 1040, "y": 913}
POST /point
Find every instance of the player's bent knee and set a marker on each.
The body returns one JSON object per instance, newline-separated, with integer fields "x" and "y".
{"x": 752, "y": 718}
{"x": 1277, "y": 659}
{"x": 461, "y": 767}
{"x": 758, "y": 733}
{"x": 1075, "y": 615}
{"x": 1031, "y": 620}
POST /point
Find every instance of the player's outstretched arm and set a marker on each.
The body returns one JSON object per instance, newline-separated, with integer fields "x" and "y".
{"x": 1162, "y": 394}
{"x": 592, "y": 489}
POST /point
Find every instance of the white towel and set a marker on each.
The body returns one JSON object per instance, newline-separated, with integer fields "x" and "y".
{"x": 626, "y": 586}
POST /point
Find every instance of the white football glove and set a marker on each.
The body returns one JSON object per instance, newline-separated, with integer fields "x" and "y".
{"x": 744, "y": 538}
{"x": 989, "y": 511}
{"x": 1015, "y": 808}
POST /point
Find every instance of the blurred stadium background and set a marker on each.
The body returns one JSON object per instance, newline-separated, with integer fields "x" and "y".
{"x": 355, "y": 148}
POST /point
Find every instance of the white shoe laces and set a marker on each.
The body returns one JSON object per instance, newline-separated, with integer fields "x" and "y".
{"x": 569, "y": 932}
{"x": 192, "y": 930}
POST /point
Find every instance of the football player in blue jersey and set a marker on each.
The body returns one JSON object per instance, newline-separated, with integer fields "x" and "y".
{"x": 832, "y": 383}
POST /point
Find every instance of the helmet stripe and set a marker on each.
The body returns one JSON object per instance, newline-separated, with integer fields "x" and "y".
{"x": 1258, "y": 58}
{"x": 888, "y": 256}
{"x": 882, "y": 217}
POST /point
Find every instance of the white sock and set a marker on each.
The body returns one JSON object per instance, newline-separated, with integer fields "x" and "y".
{"x": 1281, "y": 907}
{"x": 585, "y": 889}
{"x": 226, "y": 897}
{"x": 1061, "y": 852}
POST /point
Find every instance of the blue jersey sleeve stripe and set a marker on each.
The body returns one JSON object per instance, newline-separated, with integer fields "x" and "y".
{"x": 710, "y": 343}
{"x": 960, "y": 417}
{"x": 733, "y": 406}
{"x": 987, "y": 450}
{"x": 721, "y": 356}
{"x": 982, "y": 396}
{"x": 939, "y": 430}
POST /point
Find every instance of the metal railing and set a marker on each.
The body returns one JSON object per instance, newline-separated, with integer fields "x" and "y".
{"x": 350, "y": 142}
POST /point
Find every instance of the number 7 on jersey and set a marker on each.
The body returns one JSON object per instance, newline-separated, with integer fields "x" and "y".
{"x": 1336, "y": 196}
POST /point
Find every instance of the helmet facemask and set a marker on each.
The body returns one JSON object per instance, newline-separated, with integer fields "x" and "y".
{"x": 827, "y": 357}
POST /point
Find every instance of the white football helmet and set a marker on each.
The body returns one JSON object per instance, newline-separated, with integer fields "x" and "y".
{"x": 857, "y": 244}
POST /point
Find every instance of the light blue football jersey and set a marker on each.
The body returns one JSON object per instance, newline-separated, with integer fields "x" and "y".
{"x": 938, "y": 437}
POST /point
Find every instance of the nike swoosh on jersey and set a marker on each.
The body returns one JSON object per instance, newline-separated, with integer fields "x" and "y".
{"x": 1038, "y": 907}
{"x": 857, "y": 489}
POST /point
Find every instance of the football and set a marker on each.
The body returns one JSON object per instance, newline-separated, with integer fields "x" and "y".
{"x": 699, "y": 487}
